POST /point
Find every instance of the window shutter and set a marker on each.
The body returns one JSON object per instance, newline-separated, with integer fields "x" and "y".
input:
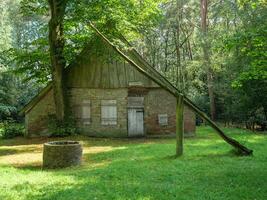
{"x": 108, "y": 112}
{"x": 86, "y": 112}
{"x": 163, "y": 119}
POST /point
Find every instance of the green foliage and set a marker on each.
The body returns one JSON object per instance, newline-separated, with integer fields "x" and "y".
{"x": 250, "y": 42}
{"x": 247, "y": 66}
{"x": 7, "y": 111}
{"x": 61, "y": 129}
{"x": 14, "y": 93}
{"x": 111, "y": 16}
{"x": 11, "y": 129}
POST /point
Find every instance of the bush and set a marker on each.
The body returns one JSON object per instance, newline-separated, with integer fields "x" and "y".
{"x": 1, "y": 128}
{"x": 7, "y": 111}
{"x": 61, "y": 129}
{"x": 11, "y": 129}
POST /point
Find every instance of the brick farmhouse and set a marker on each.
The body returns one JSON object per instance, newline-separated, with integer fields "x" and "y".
{"x": 109, "y": 98}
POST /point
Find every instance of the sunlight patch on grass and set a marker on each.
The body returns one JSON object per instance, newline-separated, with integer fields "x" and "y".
{"x": 20, "y": 155}
{"x": 23, "y": 159}
{"x": 100, "y": 149}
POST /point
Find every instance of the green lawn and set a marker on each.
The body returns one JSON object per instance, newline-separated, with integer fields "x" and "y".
{"x": 139, "y": 169}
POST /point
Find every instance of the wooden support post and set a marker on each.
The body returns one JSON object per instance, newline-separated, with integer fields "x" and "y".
{"x": 164, "y": 83}
{"x": 179, "y": 125}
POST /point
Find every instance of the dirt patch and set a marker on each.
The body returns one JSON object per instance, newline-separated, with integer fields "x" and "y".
{"x": 31, "y": 155}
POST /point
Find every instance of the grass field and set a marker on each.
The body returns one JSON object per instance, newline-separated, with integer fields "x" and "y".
{"x": 139, "y": 169}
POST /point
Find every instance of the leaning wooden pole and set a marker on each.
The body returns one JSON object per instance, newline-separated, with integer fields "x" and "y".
{"x": 179, "y": 125}
{"x": 168, "y": 86}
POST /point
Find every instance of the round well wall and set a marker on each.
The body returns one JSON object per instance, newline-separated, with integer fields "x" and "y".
{"x": 60, "y": 154}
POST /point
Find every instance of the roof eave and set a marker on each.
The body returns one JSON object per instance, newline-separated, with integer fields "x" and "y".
{"x": 35, "y": 100}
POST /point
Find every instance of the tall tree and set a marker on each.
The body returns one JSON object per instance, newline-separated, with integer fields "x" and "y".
{"x": 58, "y": 62}
{"x": 177, "y": 40}
{"x": 206, "y": 55}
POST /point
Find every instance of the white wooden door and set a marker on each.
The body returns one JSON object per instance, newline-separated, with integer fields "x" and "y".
{"x": 135, "y": 122}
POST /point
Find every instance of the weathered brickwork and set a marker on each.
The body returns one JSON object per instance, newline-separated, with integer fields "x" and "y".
{"x": 156, "y": 101}
{"x": 159, "y": 101}
{"x": 189, "y": 122}
{"x": 95, "y": 128}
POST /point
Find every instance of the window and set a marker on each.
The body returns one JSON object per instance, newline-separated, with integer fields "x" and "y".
{"x": 86, "y": 112}
{"x": 163, "y": 119}
{"x": 108, "y": 112}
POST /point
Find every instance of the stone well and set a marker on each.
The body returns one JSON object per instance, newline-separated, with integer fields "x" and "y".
{"x": 60, "y": 154}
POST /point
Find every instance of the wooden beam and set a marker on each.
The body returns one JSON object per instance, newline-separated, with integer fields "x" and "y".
{"x": 164, "y": 83}
{"x": 179, "y": 125}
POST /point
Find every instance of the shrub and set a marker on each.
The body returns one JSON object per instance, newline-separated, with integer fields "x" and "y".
{"x": 11, "y": 129}
{"x": 61, "y": 129}
{"x": 7, "y": 111}
{"x": 1, "y": 128}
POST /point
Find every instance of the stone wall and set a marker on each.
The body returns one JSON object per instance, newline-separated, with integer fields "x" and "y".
{"x": 159, "y": 101}
{"x": 156, "y": 101}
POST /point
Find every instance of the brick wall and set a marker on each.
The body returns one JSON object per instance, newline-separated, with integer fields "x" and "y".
{"x": 156, "y": 101}
{"x": 159, "y": 101}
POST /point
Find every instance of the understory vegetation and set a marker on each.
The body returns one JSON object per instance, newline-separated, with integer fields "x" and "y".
{"x": 11, "y": 129}
{"x": 139, "y": 169}
{"x": 61, "y": 129}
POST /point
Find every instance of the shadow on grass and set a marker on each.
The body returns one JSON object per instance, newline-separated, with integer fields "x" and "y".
{"x": 144, "y": 151}
{"x": 144, "y": 172}
{"x": 5, "y": 151}
{"x": 21, "y": 141}
{"x": 31, "y": 167}
{"x": 137, "y": 149}
{"x": 148, "y": 170}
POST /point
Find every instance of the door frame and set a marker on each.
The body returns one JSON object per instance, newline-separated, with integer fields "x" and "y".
{"x": 142, "y": 110}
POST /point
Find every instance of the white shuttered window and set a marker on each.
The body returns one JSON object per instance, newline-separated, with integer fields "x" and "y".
{"x": 108, "y": 112}
{"x": 86, "y": 112}
{"x": 163, "y": 119}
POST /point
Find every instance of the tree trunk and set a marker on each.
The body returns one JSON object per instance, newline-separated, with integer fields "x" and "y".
{"x": 178, "y": 59}
{"x": 207, "y": 64}
{"x": 56, "y": 42}
{"x": 190, "y": 50}
{"x": 166, "y": 52}
{"x": 179, "y": 125}
{"x": 211, "y": 94}
{"x": 177, "y": 35}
